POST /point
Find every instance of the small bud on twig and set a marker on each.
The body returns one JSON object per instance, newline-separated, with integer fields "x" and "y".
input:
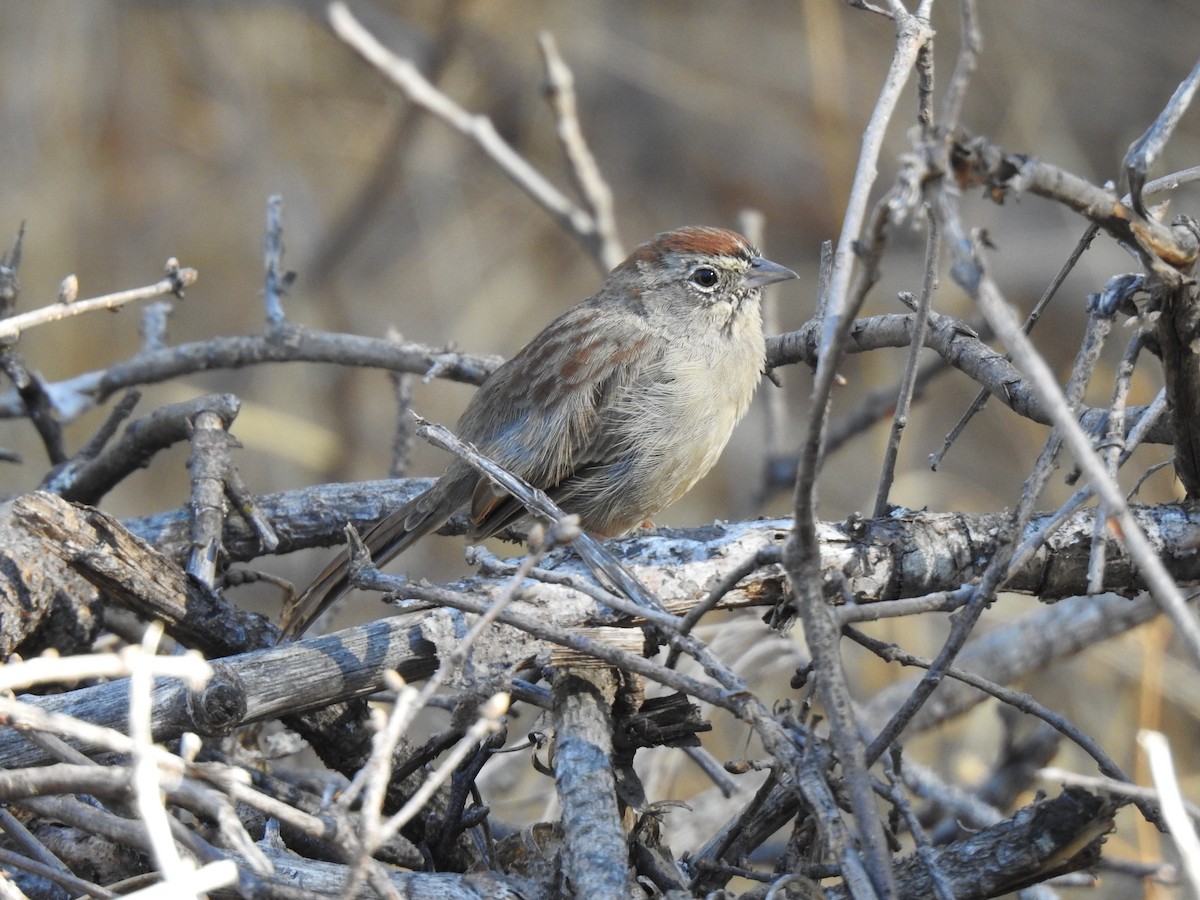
{"x": 68, "y": 290}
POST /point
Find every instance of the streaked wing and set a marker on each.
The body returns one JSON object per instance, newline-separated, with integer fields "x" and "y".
{"x": 578, "y": 444}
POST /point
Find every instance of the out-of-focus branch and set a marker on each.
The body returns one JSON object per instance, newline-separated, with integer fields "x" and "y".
{"x": 406, "y": 76}
{"x": 560, "y": 90}
{"x": 1144, "y": 152}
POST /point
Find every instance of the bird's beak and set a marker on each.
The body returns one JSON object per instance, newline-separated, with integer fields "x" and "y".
{"x": 763, "y": 272}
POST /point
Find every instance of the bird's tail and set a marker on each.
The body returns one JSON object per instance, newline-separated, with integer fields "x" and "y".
{"x": 385, "y": 540}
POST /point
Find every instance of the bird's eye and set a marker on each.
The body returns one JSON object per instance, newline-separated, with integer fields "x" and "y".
{"x": 705, "y": 277}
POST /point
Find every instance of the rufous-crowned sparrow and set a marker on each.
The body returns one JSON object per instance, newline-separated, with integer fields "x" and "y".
{"x": 615, "y": 409}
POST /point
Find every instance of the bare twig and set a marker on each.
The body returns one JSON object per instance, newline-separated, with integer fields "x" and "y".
{"x": 1182, "y": 830}
{"x": 1114, "y": 451}
{"x": 802, "y": 550}
{"x": 276, "y": 280}
{"x": 1112, "y": 785}
{"x": 147, "y": 789}
{"x": 402, "y": 73}
{"x": 1159, "y": 185}
{"x": 778, "y": 467}
{"x": 45, "y": 670}
{"x": 968, "y": 54}
{"x": 589, "y": 548}
{"x": 10, "y": 264}
{"x": 970, "y": 273}
{"x": 1144, "y": 152}
{"x": 909, "y": 379}
{"x": 405, "y": 434}
{"x": 76, "y": 396}
{"x": 1016, "y": 699}
{"x": 209, "y": 461}
{"x": 487, "y": 722}
{"x": 560, "y": 90}
{"x": 176, "y": 281}
{"x": 1162, "y": 249}
{"x": 53, "y": 874}
{"x": 940, "y": 884}
{"x": 374, "y": 776}
{"x": 1031, "y": 320}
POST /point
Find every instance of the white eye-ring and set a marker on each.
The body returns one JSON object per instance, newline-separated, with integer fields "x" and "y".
{"x": 705, "y": 277}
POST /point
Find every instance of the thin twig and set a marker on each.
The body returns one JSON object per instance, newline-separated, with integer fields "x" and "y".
{"x": 942, "y": 601}
{"x": 925, "y": 852}
{"x": 1162, "y": 769}
{"x": 1112, "y": 452}
{"x": 1170, "y": 182}
{"x": 971, "y": 45}
{"x": 1112, "y": 785}
{"x": 591, "y": 550}
{"x": 147, "y": 788}
{"x": 1030, "y": 545}
{"x": 374, "y": 776}
{"x": 1016, "y": 699}
{"x": 276, "y": 280}
{"x": 479, "y": 128}
{"x": 11, "y": 860}
{"x": 405, "y": 434}
{"x": 909, "y": 380}
{"x": 177, "y": 280}
{"x": 802, "y": 553}
{"x": 1162, "y": 586}
{"x": 1031, "y": 320}
{"x": 969, "y": 272}
{"x": 1144, "y": 152}
{"x": 585, "y": 171}
{"x": 486, "y": 723}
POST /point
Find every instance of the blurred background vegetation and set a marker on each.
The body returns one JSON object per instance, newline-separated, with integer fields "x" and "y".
{"x": 135, "y": 131}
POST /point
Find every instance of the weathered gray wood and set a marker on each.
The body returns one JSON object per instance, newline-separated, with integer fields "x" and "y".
{"x": 595, "y": 846}
{"x": 248, "y": 687}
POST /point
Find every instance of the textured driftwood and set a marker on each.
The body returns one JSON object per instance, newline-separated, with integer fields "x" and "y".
{"x": 1044, "y": 839}
{"x": 907, "y": 554}
{"x": 136, "y": 575}
{"x": 910, "y": 554}
{"x": 33, "y": 582}
{"x": 249, "y": 687}
{"x": 596, "y": 852}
